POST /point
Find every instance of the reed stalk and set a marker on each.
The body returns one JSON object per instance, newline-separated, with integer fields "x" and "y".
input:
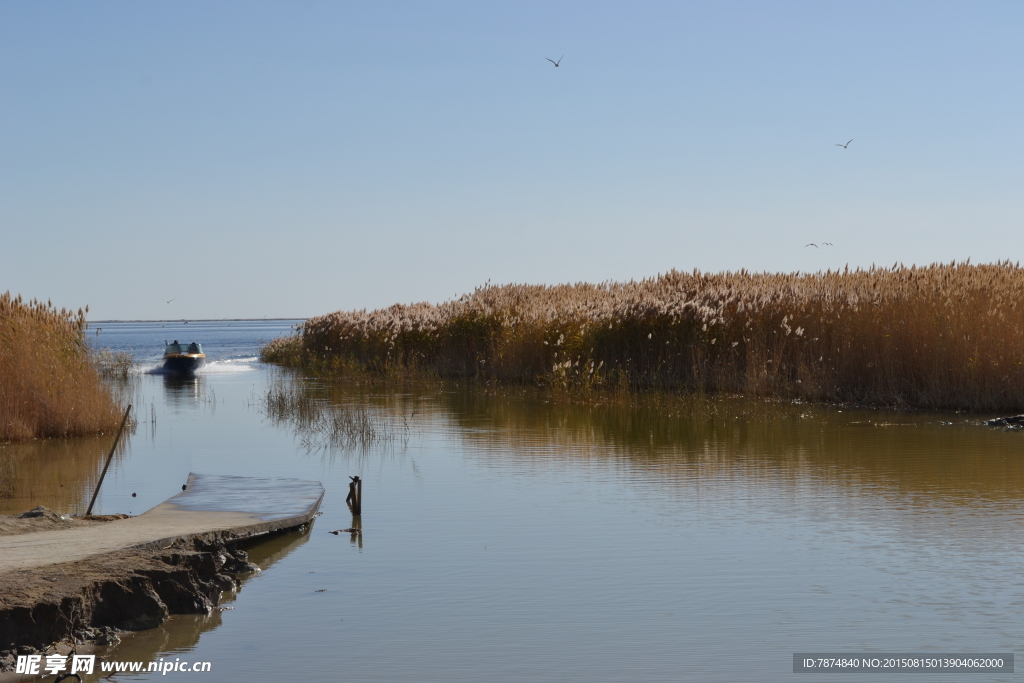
{"x": 113, "y": 365}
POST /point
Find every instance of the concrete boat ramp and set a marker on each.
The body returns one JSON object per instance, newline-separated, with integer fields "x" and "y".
{"x": 131, "y": 574}
{"x": 211, "y": 508}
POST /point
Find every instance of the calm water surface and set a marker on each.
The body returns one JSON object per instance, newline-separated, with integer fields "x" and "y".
{"x": 509, "y": 539}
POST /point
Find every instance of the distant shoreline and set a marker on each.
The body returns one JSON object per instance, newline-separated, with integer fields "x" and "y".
{"x": 195, "y": 320}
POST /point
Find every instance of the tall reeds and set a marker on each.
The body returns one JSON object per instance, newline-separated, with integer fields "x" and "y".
{"x": 940, "y": 336}
{"x": 48, "y": 384}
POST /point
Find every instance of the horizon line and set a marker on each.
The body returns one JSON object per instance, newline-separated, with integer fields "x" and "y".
{"x": 193, "y": 320}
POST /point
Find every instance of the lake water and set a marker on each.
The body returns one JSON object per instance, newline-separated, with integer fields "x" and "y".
{"x": 506, "y": 538}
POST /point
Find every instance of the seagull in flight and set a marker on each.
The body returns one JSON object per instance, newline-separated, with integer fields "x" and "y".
{"x": 812, "y": 244}
{"x": 839, "y": 144}
{"x": 170, "y": 300}
{"x": 553, "y": 61}
{"x": 827, "y": 244}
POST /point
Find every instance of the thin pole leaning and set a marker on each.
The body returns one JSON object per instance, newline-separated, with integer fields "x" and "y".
{"x": 110, "y": 457}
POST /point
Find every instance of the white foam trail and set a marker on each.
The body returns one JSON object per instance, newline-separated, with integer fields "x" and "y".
{"x": 211, "y": 368}
{"x": 230, "y": 365}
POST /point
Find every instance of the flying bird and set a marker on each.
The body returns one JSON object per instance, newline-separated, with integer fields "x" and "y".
{"x": 827, "y": 244}
{"x": 839, "y": 144}
{"x": 170, "y": 300}
{"x": 553, "y": 61}
{"x": 812, "y": 244}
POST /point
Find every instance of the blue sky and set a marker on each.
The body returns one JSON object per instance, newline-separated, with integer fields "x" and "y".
{"x": 254, "y": 159}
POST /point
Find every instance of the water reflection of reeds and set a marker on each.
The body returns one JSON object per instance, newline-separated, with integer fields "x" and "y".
{"x": 57, "y": 473}
{"x": 323, "y": 424}
{"x": 670, "y": 440}
{"x": 928, "y": 455}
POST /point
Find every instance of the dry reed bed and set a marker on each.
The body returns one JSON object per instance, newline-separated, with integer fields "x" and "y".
{"x": 940, "y": 336}
{"x": 48, "y": 385}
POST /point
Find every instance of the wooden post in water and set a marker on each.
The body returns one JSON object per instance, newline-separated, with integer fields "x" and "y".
{"x": 355, "y": 496}
{"x": 117, "y": 438}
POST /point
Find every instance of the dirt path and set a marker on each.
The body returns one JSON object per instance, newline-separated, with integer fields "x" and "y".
{"x": 211, "y": 507}
{"x": 70, "y": 579}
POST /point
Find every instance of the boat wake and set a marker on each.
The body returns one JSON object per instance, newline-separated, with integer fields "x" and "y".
{"x": 229, "y": 365}
{"x": 212, "y": 367}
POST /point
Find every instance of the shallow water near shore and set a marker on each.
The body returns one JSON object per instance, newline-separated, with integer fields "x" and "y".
{"x": 510, "y": 539}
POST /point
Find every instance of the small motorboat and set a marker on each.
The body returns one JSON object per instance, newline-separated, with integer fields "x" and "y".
{"x": 183, "y": 358}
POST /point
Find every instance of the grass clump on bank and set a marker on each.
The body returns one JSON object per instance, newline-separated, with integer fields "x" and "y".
{"x": 49, "y": 387}
{"x": 113, "y": 365}
{"x": 941, "y": 336}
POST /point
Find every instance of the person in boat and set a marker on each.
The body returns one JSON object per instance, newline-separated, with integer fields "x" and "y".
{"x": 193, "y": 348}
